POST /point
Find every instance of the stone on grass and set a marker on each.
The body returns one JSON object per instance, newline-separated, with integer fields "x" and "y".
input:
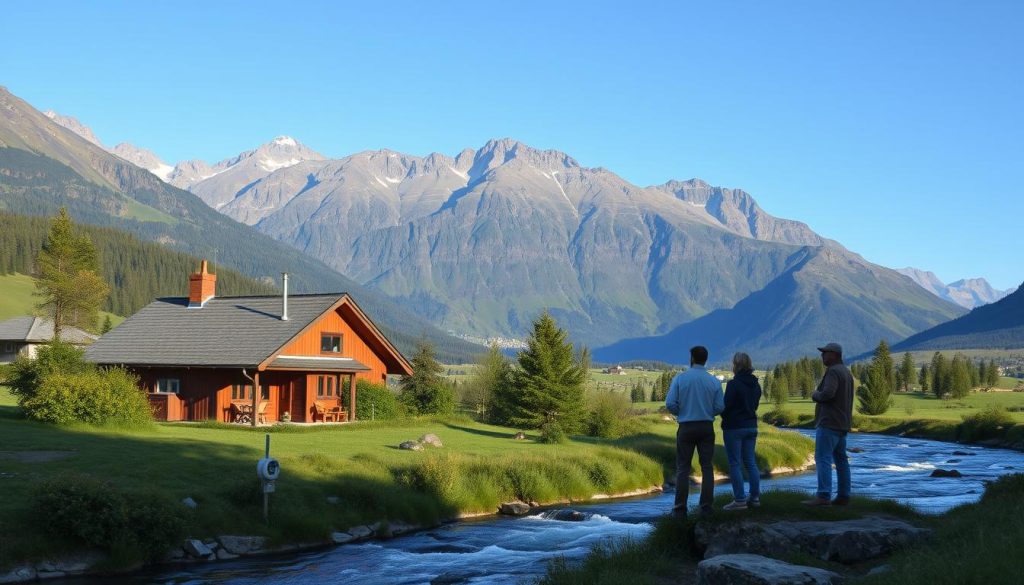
{"x": 745, "y": 569}
{"x": 190, "y": 503}
{"x": 515, "y": 508}
{"x": 520, "y": 436}
{"x": 946, "y": 473}
{"x": 432, "y": 440}
{"x": 242, "y": 545}
{"x": 196, "y": 548}
{"x": 845, "y": 541}
{"x": 333, "y": 500}
{"x": 410, "y": 446}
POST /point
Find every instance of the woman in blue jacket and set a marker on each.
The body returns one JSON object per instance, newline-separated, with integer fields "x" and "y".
{"x": 739, "y": 428}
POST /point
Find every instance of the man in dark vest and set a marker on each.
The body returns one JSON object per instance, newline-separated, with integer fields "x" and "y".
{"x": 833, "y": 416}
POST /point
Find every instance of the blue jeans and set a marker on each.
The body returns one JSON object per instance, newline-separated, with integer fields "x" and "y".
{"x": 829, "y": 448}
{"x": 739, "y": 447}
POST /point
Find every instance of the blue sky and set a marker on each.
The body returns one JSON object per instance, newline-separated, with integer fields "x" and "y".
{"x": 893, "y": 127}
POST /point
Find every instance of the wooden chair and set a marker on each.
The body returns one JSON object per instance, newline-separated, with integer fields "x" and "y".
{"x": 241, "y": 413}
{"x": 338, "y": 413}
{"x": 325, "y": 414}
{"x": 261, "y": 414}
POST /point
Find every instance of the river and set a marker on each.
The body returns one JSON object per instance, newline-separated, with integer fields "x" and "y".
{"x": 516, "y": 550}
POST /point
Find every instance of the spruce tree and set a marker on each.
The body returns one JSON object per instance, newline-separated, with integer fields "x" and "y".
{"x": 549, "y": 383}
{"x": 960, "y": 377}
{"x": 939, "y": 374}
{"x": 426, "y": 391}
{"x": 875, "y": 394}
{"x": 908, "y": 372}
{"x": 107, "y": 326}
{"x": 488, "y": 391}
{"x": 924, "y": 377}
{"x": 992, "y": 375}
{"x": 67, "y": 278}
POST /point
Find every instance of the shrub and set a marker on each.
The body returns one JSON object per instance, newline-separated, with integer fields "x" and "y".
{"x": 552, "y": 432}
{"x": 990, "y": 423}
{"x": 608, "y": 411}
{"x": 376, "y": 402}
{"x": 98, "y": 514}
{"x": 780, "y": 417}
{"x": 25, "y": 374}
{"x": 102, "y": 397}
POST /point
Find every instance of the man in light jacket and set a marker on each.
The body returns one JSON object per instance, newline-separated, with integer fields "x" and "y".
{"x": 695, "y": 397}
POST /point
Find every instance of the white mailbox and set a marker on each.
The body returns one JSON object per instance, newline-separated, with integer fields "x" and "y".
{"x": 268, "y": 469}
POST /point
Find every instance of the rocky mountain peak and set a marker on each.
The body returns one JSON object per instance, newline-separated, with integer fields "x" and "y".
{"x": 73, "y": 124}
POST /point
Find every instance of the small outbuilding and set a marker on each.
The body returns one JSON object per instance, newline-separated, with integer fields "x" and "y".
{"x": 23, "y": 335}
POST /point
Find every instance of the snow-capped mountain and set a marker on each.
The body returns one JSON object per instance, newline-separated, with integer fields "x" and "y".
{"x": 968, "y": 292}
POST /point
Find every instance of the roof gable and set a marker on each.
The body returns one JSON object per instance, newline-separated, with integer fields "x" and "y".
{"x": 38, "y": 330}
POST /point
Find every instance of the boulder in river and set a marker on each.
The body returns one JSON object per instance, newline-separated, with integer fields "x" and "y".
{"x": 566, "y": 515}
{"x": 242, "y": 545}
{"x": 855, "y": 450}
{"x": 946, "y": 473}
{"x": 745, "y": 569}
{"x": 515, "y": 508}
{"x": 963, "y": 454}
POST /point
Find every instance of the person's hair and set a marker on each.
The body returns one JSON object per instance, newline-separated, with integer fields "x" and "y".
{"x": 741, "y": 362}
{"x": 699, "y": 355}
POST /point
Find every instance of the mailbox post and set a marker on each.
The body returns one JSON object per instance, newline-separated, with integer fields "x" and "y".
{"x": 268, "y": 470}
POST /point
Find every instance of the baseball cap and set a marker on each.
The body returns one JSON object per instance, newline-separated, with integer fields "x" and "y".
{"x": 832, "y": 346}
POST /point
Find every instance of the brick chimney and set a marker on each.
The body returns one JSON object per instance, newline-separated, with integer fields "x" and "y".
{"x": 201, "y": 287}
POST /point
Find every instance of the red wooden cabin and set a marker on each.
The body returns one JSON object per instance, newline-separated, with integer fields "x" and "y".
{"x": 204, "y": 357}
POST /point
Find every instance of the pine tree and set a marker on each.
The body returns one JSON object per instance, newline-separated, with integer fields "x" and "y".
{"x": 549, "y": 383}
{"x": 875, "y": 394}
{"x": 488, "y": 390}
{"x": 940, "y": 377}
{"x": 426, "y": 391}
{"x": 67, "y": 280}
{"x": 908, "y": 372}
{"x": 107, "y": 326}
{"x": 960, "y": 377}
{"x": 924, "y": 377}
{"x": 992, "y": 376}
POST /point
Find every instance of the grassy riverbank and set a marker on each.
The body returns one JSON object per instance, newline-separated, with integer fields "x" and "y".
{"x": 479, "y": 467}
{"x": 977, "y": 543}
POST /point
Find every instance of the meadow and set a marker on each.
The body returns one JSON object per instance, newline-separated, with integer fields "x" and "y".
{"x": 17, "y": 298}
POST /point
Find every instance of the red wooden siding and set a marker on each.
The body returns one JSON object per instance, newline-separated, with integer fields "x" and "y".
{"x": 353, "y": 345}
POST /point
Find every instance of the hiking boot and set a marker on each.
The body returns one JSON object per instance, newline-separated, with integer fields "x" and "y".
{"x": 841, "y": 501}
{"x": 754, "y": 503}
{"x": 735, "y": 505}
{"x": 817, "y": 502}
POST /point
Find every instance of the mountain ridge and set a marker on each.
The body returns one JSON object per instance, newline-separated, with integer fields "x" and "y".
{"x": 966, "y": 292}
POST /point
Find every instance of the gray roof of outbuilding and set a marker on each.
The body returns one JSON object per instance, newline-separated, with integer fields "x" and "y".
{"x": 226, "y": 331}
{"x": 39, "y": 330}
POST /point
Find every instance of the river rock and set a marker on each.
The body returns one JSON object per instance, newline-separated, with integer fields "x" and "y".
{"x": 410, "y": 446}
{"x": 855, "y": 450}
{"x": 744, "y": 569}
{"x": 360, "y": 531}
{"x": 224, "y": 555}
{"x": 19, "y": 574}
{"x": 72, "y": 564}
{"x": 846, "y": 541}
{"x": 196, "y": 548}
{"x": 432, "y": 440}
{"x": 242, "y": 545}
{"x": 341, "y": 537}
{"x": 946, "y": 473}
{"x": 398, "y": 527}
{"x": 963, "y": 454}
{"x": 567, "y": 515}
{"x": 516, "y": 508}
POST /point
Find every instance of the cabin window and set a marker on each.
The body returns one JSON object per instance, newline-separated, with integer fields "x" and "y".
{"x": 241, "y": 392}
{"x": 330, "y": 343}
{"x": 264, "y": 391}
{"x": 168, "y": 386}
{"x": 325, "y": 387}
{"x": 9, "y": 347}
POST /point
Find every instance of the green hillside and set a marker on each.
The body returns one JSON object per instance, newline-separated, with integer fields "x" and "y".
{"x": 16, "y": 298}
{"x": 999, "y": 325}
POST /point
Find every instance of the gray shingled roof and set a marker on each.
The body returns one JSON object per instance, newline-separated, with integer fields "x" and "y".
{"x": 227, "y": 331}
{"x": 38, "y": 330}
{"x": 323, "y": 364}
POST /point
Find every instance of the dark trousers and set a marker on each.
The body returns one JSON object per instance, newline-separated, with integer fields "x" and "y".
{"x": 698, "y": 435}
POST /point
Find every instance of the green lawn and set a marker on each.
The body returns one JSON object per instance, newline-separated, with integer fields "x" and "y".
{"x": 16, "y": 298}
{"x": 926, "y": 406}
{"x": 479, "y": 467}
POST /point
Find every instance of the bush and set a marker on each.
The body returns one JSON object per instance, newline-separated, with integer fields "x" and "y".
{"x": 96, "y": 513}
{"x": 552, "y": 432}
{"x": 376, "y": 402}
{"x": 25, "y": 375}
{"x": 990, "y": 423}
{"x": 608, "y": 411}
{"x": 101, "y": 397}
{"x": 780, "y": 417}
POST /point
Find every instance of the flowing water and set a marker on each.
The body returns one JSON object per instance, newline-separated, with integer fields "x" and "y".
{"x": 517, "y": 550}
